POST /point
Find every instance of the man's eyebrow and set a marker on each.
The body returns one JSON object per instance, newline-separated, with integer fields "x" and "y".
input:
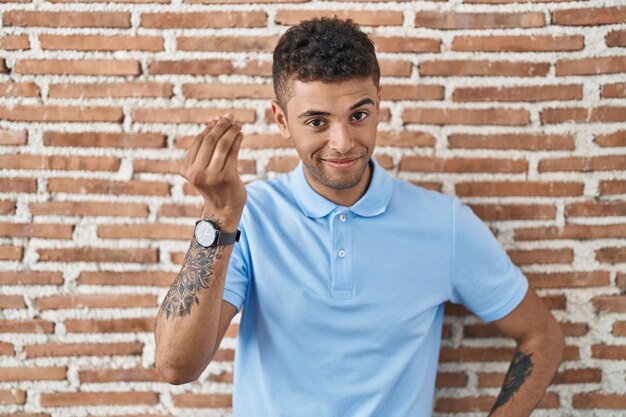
{"x": 324, "y": 113}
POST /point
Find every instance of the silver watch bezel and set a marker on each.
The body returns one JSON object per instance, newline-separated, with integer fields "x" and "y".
{"x": 198, "y": 231}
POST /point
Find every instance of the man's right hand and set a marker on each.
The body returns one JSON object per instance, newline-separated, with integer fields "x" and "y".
{"x": 210, "y": 165}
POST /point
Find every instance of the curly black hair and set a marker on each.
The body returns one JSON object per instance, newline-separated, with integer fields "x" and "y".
{"x": 322, "y": 49}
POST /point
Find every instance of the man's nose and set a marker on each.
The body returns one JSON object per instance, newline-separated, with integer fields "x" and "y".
{"x": 341, "y": 139}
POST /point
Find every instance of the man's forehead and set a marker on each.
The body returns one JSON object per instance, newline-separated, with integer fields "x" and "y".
{"x": 345, "y": 93}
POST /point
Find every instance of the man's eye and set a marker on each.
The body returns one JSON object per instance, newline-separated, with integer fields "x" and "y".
{"x": 362, "y": 113}
{"x": 315, "y": 122}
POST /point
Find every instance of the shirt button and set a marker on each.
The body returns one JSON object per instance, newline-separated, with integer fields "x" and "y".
{"x": 343, "y": 218}
{"x": 341, "y": 253}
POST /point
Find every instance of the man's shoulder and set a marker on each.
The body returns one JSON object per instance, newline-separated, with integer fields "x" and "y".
{"x": 411, "y": 192}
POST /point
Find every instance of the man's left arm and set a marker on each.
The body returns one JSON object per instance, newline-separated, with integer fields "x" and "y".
{"x": 540, "y": 344}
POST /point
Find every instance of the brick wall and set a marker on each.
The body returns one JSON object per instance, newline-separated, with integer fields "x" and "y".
{"x": 517, "y": 108}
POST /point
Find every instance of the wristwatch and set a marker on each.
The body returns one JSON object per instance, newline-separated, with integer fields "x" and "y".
{"x": 208, "y": 235}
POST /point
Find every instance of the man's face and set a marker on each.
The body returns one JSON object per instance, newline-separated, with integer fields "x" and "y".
{"x": 333, "y": 128}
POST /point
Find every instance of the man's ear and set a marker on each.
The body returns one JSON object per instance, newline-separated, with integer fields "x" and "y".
{"x": 281, "y": 119}
{"x": 379, "y": 90}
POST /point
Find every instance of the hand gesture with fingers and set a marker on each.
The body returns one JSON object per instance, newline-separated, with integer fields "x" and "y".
{"x": 210, "y": 165}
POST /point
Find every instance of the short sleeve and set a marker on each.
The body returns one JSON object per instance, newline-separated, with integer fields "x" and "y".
{"x": 237, "y": 273}
{"x": 484, "y": 279}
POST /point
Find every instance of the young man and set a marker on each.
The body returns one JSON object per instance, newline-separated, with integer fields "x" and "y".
{"x": 343, "y": 270}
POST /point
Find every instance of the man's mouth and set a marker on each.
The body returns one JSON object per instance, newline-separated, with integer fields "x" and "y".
{"x": 341, "y": 163}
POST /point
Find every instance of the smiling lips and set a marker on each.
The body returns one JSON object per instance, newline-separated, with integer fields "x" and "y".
{"x": 341, "y": 163}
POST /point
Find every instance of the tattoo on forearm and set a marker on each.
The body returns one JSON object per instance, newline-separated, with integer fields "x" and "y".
{"x": 194, "y": 275}
{"x": 520, "y": 368}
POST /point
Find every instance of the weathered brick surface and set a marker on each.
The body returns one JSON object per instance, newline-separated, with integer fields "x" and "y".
{"x": 516, "y": 110}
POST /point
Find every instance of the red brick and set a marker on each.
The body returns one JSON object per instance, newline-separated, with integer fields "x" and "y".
{"x": 249, "y": 141}
{"x": 395, "y": 68}
{"x": 145, "y": 231}
{"x": 483, "y": 68}
{"x": 22, "y": 373}
{"x": 608, "y": 114}
{"x": 576, "y": 279}
{"x": 227, "y": 43}
{"x": 412, "y": 92}
{"x": 52, "y": 113}
{"x": 14, "y": 42}
{"x": 8, "y": 207}
{"x": 596, "y": 400}
{"x": 563, "y": 115}
{"x": 617, "y": 138}
{"x": 610, "y": 303}
{"x": 531, "y": 142}
{"x": 38, "y": 326}
{"x": 615, "y": 38}
{"x": 40, "y": 230}
{"x": 519, "y": 188}
{"x": 12, "y": 301}
{"x": 25, "y": 89}
{"x": 620, "y": 281}
{"x": 404, "y": 138}
{"x": 72, "y": 399}
{"x": 191, "y": 400}
{"x": 105, "y": 139}
{"x": 30, "y": 278}
{"x": 533, "y": 43}
{"x": 59, "y": 162}
{"x": 78, "y": 67}
{"x": 243, "y": 1}
{"x": 451, "y": 380}
{"x": 180, "y": 210}
{"x": 83, "y": 349}
{"x": 591, "y": 66}
{"x": 194, "y": 67}
{"x": 130, "y": 89}
{"x": 112, "y": 1}
{"x": 118, "y": 375}
{"x": 13, "y": 137}
{"x": 361, "y": 17}
{"x": 67, "y": 19}
{"x": 611, "y": 255}
{"x": 595, "y": 209}
{"x": 614, "y": 90}
{"x": 230, "y": 91}
{"x": 583, "y": 164}
{"x": 101, "y": 43}
{"x": 134, "y": 255}
{"x": 613, "y": 352}
{"x": 527, "y": 93}
{"x": 88, "y": 208}
{"x": 61, "y": 301}
{"x": 3, "y": 67}
{"x": 6, "y": 349}
{"x": 589, "y": 16}
{"x": 452, "y": 20}
{"x": 619, "y": 328}
{"x": 132, "y": 325}
{"x": 188, "y": 115}
{"x": 542, "y": 256}
{"x": 436, "y": 164}
{"x": 494, "y": 116}
{"x": 405, "y": 44}
{"x": 93, "y": 186}
{"x": 11, "y": 253}
{"x": 200, "y": 20}
{"x": 12, "y": 396}
{"x": 608, "y": 187}
{"x": 571, "y": 231}
{"x": 223, "y": 377}
{"x": 146, "y": 278}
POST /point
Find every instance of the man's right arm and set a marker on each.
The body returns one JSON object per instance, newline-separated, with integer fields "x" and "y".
{"x": 193, "y": 317}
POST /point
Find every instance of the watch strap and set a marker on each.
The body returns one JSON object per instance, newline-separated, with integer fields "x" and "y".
{"x": 225, "y": 238}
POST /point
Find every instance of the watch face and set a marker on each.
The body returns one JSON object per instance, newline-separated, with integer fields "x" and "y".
{"x": 205, "y": 233}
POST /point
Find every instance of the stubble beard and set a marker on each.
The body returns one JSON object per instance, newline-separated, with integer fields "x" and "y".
{"x": 343, "y": 183}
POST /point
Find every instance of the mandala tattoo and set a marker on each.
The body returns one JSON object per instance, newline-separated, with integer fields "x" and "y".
{"x": 520, "y": 368}
{"x": 194, "y": 276}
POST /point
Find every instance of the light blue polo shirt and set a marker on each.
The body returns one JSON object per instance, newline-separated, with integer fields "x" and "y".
{"x": 343, "y": 306}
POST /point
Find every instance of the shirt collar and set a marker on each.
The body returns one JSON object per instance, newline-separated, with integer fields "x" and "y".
{"x": 372, "y": 203}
